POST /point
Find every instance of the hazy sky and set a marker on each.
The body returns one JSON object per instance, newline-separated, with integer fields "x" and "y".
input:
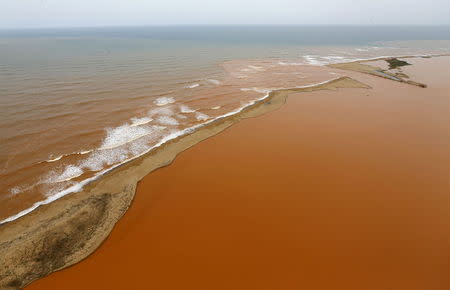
{"x": 56, "y": 13}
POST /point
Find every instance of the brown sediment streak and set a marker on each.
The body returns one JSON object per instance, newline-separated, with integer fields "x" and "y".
{"x": 351, "y": 185}
{"x": 64, "y": 232}
{"x": 38, "y": 154}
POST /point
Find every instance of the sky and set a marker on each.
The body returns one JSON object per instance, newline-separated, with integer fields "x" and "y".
{"x": 79, "y": 13}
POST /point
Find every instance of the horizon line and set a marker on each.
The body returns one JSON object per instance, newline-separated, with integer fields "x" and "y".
{"x": 215, "y": 25}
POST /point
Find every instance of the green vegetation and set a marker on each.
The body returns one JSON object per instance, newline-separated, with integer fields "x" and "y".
{"x": 395, "y": 63}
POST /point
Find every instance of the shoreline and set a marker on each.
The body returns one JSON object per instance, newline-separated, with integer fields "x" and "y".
{"x": 348, "y": 184}
{"x": 168, "y": 139}
{"x": 355, "y": 65}
{"x": 63, "y": 232}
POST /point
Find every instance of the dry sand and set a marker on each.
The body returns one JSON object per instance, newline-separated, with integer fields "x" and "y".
{"x": 343, "y": 189}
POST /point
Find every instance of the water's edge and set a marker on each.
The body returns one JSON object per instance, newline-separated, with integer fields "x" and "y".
{"x": 354, "y": 65}
{"x": 67, "y": 230}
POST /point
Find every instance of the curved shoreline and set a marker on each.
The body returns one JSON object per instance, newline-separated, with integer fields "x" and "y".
{"x": 65, "y": 231}
{"x": 78, "y": 187}
{"x": 70, "y": 227}
{"x": 355, "y": 65}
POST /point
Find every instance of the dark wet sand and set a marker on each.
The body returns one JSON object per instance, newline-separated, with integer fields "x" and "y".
{"x": 335, "y": 190}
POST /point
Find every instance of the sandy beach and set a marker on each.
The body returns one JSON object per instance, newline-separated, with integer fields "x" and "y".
{"x": 343, "y": 187}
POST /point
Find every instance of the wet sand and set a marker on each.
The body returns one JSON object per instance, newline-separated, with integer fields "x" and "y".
{"x": 343, "y": 189}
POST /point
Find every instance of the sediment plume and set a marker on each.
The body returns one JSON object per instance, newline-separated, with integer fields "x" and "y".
{"x": 347, "y": 184}
{"x": 64, "y": 232}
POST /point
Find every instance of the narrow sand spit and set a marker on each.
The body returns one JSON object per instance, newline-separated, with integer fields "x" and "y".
{"x": 64, "y": 232}
{"x": 377, "y": 71}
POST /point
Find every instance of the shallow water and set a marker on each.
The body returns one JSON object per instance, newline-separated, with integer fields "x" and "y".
{"x": 343, "y": 189}
{"x": 76, "y": 103}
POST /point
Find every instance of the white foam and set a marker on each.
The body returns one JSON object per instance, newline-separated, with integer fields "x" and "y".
{"x": 186, "y": 109}
{"x": 290, "y": 63}
{"x": 110, "y": 156}
{"x": 164, "y": 101}
{"x": 313, "y": 60}
{"x": 166, "y": 120}
{"x": 55, "y": 159}
{"x": 257, "y": 68}
{"x": 140, "y": 121}
{"x": 15, "y": 190}
{"x": 258, "y": 90}
{"x": 334, "y": 58}
{"x": 324, "y": 60}
{"x": 70, "y": 172}
{"x": 201, "y": 117}
{"x": 165, "y": 111}
{"x": 216, "y": 108}
{"x": 98, "y": 160}
{"x": 65, "y": 155}
{"x": 192, "y": 86}
{"x": 123, "y": 134}
{"x": 19, "y": 189}
{"x": 214, "y": 82}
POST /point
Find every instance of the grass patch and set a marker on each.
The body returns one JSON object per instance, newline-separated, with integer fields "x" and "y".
{"x": 395, "y": 63}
